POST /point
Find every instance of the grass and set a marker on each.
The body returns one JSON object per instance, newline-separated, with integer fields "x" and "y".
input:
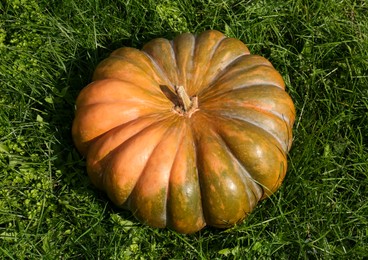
{"x": 49, "y": 49}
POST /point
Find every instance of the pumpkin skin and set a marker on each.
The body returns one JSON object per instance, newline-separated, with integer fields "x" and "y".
{"x": 184, "y": 167}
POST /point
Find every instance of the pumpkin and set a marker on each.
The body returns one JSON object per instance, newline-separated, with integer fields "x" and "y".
{"x": 185, "y": 133}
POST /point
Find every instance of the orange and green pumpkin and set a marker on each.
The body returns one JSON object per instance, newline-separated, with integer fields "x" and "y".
{"x": 186, "y": 133}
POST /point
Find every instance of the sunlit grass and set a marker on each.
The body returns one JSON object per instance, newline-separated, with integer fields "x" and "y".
{"x": 49, "y": 49}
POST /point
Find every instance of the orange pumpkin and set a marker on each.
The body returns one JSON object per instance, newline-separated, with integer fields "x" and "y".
{"x": 186, "y": 133}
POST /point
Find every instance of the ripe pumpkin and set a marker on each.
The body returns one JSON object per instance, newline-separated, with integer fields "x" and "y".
{"x": 185, "y": 133}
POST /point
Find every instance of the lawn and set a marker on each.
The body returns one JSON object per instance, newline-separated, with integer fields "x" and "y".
{"x": 49, "y": 49}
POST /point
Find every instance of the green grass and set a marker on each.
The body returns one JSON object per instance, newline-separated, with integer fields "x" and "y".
{"x": 49, "y": 49}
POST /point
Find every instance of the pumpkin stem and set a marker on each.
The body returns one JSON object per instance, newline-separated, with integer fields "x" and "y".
{"x": 184, "y": 100}
{"x": 183, "y": 104}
